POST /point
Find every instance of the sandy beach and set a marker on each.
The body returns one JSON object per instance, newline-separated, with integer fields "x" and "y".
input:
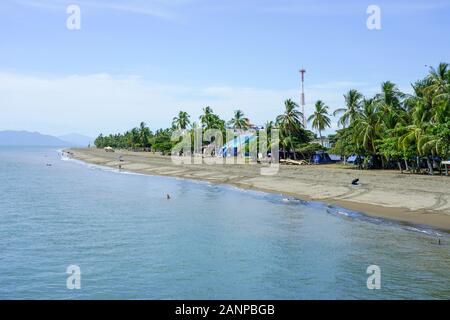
{"x": 413, "y": 199}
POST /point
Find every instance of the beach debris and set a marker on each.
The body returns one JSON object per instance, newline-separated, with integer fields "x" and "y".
{"x": 355, "y": 181}
{"x": 294, "y": 162}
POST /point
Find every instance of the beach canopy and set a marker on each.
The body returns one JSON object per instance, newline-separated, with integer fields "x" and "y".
{"x": 321, "y": 158}
{"x": 335, "y": 157}
{"x": 232, "y": 147}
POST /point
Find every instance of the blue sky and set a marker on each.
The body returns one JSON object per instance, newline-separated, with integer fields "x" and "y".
{"x": 145, "y": 60}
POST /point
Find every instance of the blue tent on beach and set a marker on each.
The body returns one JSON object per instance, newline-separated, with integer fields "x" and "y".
{"x": 321, "y": 157}
{"x": 335, "y": 157}
{"x": 233, "y": 147}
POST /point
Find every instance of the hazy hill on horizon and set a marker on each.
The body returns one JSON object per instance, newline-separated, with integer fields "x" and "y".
{"x": 77, "y": 139}
{"x": 26, "y": 138}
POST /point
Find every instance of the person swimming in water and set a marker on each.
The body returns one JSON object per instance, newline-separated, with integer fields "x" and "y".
{"x": 168, "y": 196}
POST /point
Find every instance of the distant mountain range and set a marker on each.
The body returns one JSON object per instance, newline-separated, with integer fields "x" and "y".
{"x": 25, "y": 138}
{"x": 76, "y": 139}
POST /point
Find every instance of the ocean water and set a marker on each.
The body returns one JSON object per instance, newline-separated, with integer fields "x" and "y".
{"x": 206, "y": 242}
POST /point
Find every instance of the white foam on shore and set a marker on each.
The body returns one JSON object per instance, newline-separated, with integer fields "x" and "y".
{"x": 429, "y": 231}
{"x": 98, "y": 167}
{"x": 425, "y": 231}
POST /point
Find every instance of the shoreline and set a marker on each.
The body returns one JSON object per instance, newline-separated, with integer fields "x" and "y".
{"x": 423, "y": 201}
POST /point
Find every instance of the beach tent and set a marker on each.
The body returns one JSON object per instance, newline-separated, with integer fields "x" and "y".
{"x": 321, "y": 157}
{"x": 233, "y": 147}
{"x": 355, "y": 159}
{"x": 335, "y": 157}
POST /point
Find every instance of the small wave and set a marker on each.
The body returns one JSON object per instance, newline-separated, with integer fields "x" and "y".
{"x": 363, "y": 217}
{"x": 343, "y": 213}
{"x": 99, "y": 167}
{"x": 292, "y": 200}
{"x": 130, "y": 173}
{"x": 424, "y": 231}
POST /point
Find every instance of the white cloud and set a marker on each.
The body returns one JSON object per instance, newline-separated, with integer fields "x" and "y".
{"x": 170, "y": 9}
{"x": 156, "y": 8}
{"x": 349, "y": 7}
{"x": 96, "y": 103}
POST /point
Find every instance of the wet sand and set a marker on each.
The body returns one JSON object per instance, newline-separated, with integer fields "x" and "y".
{"x": 413, "y": 199}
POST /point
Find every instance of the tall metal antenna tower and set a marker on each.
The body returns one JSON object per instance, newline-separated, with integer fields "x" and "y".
{"x": 302, "y": 99}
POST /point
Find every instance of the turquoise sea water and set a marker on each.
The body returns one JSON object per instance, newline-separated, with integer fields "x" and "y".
{"x": 207, "y": 242}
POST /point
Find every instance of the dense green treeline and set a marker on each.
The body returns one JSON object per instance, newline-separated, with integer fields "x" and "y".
{"x": 394, "y": 126}
{"x": 389, "y": 127}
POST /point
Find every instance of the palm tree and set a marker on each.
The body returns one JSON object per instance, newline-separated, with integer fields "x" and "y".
{"x": 286, "y": 142}
{"x": 421, "y": 131}
{"x": 210, "y": 120}
{"x": 144, "y": 135}
{"x": 289, "y": 122}
{"x": 368, "y": 126}
{"x": 390, "y": 102}
{"x": 320, "y": 119}
{"x": 182, "y": 121}
{"x": 194, "y": 125}
{"x": 352, "y": 107}
{"x": 239, "y": 122}
{"x": 269, "y": 126}
{"x": 439, "y": 90}
{"x": 134, "y": 138}
{"x": 390, "y": 96}
{"x": 439, "y": 79}
{"x": 205, "y": 118}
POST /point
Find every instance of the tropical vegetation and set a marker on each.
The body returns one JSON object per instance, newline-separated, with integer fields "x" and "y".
{"x": 394, "y": 127}
{"x": 386, "y": 129}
